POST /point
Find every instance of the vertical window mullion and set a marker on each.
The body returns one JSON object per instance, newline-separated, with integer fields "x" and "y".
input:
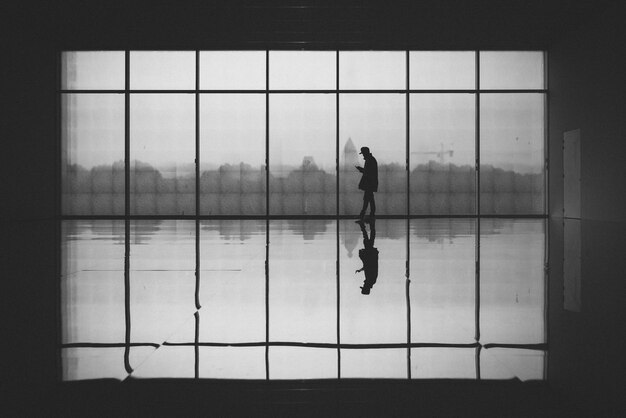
{"x": 337, "y": 265}
{"x": 197, "y": 161}
{"x": 477, "y": 211}
{"x": 127, "y": 338}
{"x": 267, "y": 211}
{"x": 408, "y": 212}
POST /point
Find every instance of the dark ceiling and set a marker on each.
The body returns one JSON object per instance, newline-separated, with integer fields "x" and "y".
{"x": 309, "y": 24}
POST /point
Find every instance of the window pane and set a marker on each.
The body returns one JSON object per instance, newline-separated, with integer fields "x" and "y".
{"x": 302, "y": 154}
{"x": 443, "y": 280}
{"x": 162, "y": 70}
{"x": 512, "y": 363}
{"x": 302, "y": 363}
{"x": 430, "y": 70}
{"x": 232, "y": 275}
{"x": 168, "y": 362}
{"x": 512, "y": 153}
{"x": 512, "y": 299}
{"x": 232, "y": 363}
{"x": 443, "y": 363}
{"x": 92, "y": 136}
{"x": 92, "y": 281}
{"x": 232, "y": 70}
{"x": 380, "y": 256}
{"x": 372, "y": 70}
{"x": 232, "y": 154}
{"x": 390, "y": 363}
{"x": 92, "y": 70}
{"x": 162, "y": 149}
{"x": 511, "y": 70}
{"x": 93, "y": 363}
{"x": 377, "y": 121}
{"x": 442, "y": 154}
{"x": 303, "y": 281}
{"x": 303, "y": 70}
{"x": 162, "y": 278}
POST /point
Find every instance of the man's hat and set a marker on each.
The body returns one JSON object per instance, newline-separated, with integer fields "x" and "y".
{"x": 364, "y": 150}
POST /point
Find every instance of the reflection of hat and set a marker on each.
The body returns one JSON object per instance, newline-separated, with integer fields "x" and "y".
{"x": 365, "y": 290}
{"x": 364, "y": 150}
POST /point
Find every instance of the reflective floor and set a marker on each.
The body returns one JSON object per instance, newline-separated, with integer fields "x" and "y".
{"x": 304, "y": 299}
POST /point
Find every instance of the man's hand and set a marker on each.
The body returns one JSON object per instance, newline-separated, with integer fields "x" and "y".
{"x": 359, "y": 168}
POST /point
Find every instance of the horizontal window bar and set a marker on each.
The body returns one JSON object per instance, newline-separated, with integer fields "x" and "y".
{"x": 464, "y": 91}
{"x": 108, "y": 345}
{"x": 540, "y": 347}
{"x": 279, "y": 217}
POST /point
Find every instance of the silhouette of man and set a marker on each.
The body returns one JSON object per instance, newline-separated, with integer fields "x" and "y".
{"x": 369, "y": 257}
{"x": 369, "y": 182}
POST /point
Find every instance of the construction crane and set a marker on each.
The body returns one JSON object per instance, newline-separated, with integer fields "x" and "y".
{"x": 440, "y": 154}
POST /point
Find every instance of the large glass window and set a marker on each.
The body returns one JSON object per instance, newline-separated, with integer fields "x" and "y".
{"x": 208, "y": 202}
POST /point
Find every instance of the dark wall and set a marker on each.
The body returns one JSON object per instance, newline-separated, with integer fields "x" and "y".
{"x": 587, "y": 92}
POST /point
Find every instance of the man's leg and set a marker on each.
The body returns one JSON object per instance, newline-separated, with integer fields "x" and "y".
{"x": 372, "y": 205}
{"x": 365, "y": 202}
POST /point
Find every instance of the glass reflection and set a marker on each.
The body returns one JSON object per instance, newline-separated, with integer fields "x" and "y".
{"x": 442, "y": 272}
{"x": 369, "y": 256}
{"x": 512, "y": 286}
{"x": 380, "y": 316}
{"x": 232, "y": 281}
{"x": 92, "y": 281}
{"x": 141, "y": 318}
{"x": 162, "y": 272}
{"x": 302, "y": 281}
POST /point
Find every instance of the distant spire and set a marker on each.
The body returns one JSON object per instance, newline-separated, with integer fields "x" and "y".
{"x": 350, "y": 156}
{"x": 349, "y": 147}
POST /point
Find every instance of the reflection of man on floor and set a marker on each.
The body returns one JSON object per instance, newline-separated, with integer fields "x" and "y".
{"x": 369, "y": 181}
{"x": 369, "y": 257}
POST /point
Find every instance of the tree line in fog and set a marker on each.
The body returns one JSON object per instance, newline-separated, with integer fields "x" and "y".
{"x": 435, "y": 188}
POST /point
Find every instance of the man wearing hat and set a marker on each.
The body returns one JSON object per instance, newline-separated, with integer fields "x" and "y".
{"x": 369, "y": 182}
